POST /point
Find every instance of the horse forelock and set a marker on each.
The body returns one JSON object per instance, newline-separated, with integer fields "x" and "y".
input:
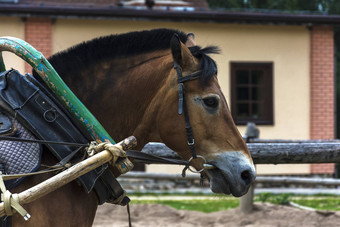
{"x": 206, "y": 63}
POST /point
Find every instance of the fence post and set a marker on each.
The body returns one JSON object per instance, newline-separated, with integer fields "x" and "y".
{"x": 246, "y": 201}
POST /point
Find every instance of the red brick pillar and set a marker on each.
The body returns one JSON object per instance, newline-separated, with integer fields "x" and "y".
{"x": 38, "y": 33}
{"x": 322, "y": 89}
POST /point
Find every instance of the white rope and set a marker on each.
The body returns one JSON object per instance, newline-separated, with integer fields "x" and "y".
{"x": 11, "y": 201}
{"x": 123, "y": 165}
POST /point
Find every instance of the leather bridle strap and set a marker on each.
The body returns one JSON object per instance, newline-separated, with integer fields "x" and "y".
{"x": 182, "y": 108}
{"x": 152, "y": 159}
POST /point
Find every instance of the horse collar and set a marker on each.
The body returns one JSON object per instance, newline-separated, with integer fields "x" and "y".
{"x": 182, "y": 108}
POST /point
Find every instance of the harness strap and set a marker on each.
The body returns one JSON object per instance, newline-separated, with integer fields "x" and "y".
{"x": 180, "y": 98}
{"x": 9, "y": 138}
{"x": 16, "y": 176}
{"x": 129, "y": 214}
{"x": 188, "y": 128}
{"x": 186, "y": 167}
{"x": 192, "y": 76}
{"x": 152, "y": 159}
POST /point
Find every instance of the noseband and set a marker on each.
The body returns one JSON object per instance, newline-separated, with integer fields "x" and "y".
{"x": 183, "y": 109}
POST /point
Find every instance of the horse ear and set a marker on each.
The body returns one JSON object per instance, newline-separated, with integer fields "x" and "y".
{"x": 180, "y": 53}
{"x": 190, "y": 40}
{"x": 176, "y": 49}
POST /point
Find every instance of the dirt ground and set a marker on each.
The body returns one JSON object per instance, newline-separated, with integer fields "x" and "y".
{"x": 264, "y": 215}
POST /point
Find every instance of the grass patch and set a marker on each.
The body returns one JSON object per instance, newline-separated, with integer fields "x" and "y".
{"x": 319, "y": 202}
{"x": 206, "y": 206}
{"x": 327, "y": 203}
{"x": 271, "y": 198}
{"x": 214, "y": 203}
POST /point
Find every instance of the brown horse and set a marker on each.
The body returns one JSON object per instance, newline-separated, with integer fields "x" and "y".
{"x": 130, "y": 84}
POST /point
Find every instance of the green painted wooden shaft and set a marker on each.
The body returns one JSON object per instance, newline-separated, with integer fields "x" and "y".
{"x": 55, "y": 83}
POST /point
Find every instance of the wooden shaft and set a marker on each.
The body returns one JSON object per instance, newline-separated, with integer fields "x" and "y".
{"x": 69, "y": 175}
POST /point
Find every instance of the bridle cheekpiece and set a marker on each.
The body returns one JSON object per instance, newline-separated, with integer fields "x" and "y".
{"x": 182, "y": 108}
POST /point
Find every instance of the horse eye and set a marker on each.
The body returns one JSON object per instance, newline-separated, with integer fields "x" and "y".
{"x": 211, "y": 102}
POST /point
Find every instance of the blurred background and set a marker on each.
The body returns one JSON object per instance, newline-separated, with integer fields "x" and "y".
{"x": 277, "y": 68}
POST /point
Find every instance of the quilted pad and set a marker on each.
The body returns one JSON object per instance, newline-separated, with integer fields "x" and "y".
{"x": 20, "y": 157}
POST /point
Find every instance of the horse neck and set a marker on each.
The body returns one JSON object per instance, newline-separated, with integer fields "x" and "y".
{"x": 121, "y": 92}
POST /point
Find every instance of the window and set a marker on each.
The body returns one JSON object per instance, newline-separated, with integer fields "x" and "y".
{"x": 252, "y": 92}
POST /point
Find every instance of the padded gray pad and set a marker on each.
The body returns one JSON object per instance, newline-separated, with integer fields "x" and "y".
{"x": 20, "y": 157}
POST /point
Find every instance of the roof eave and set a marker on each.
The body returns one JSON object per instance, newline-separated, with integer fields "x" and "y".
{"x": 204, "y": 16}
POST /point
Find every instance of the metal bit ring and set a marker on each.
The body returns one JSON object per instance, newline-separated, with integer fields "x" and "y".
{"x": 196, "y": 171}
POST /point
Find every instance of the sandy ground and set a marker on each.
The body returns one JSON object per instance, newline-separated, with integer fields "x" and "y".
{"x": 264, "y": 215}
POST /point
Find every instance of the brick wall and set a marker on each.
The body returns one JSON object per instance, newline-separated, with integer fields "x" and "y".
{"x": 322, "y": 89}
{"x": 38, "y": 33}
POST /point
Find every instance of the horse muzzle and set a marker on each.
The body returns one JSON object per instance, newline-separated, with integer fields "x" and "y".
{"x": 233, "y": 173}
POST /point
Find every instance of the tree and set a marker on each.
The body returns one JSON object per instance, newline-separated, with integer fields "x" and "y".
{"x": 318, "y": 6}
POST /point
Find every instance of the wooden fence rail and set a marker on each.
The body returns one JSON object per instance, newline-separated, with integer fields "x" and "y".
{"x": 274, "y": 153}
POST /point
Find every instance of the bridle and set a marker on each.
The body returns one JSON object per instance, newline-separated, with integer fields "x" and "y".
{"x": 183, "y": 109}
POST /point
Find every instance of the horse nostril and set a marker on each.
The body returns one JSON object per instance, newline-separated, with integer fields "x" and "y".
{"x": 247, "y": 176}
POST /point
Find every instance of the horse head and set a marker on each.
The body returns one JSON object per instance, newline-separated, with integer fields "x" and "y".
{"x": 135, "y": 89}
{"x": 208, "y": 128}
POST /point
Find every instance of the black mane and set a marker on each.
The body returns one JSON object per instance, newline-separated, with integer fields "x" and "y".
{"x": 124, "y": 45}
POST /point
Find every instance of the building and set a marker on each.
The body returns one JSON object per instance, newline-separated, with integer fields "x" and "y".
{"x": 275, "y": 69}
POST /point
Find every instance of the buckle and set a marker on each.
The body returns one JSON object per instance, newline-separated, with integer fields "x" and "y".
{"x": 191, "y": 144}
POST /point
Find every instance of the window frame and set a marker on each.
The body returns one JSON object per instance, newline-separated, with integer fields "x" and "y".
{"x": 268, "y": 69}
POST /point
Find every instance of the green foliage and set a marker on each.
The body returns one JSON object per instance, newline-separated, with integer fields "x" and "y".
{"x": 230, "y": 4}
{"x": 323, "y": 6}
